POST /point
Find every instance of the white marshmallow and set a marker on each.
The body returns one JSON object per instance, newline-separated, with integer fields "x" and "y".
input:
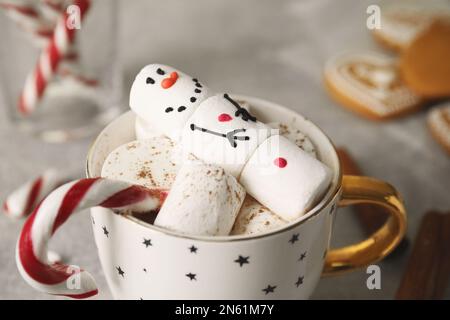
{"x": 254, "y": 218}
{"x": 145, "y": 162}
{"x": 210, "y": 134}
{"x": 144, "y": 130}
{"x": 204, "y": 200}
{"x": 285, "y": 178}
{"x": 164, "y": 102}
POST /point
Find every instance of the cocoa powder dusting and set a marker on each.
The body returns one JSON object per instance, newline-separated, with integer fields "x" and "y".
{"x": 146, "y": 174}
{"x": 283, "y": 129}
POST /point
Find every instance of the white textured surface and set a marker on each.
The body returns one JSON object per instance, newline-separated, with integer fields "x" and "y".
{"x": 271, "y": 49}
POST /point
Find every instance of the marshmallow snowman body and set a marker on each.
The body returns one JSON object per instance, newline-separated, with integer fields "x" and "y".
{"x": 203, "y": 200}
{"x": 223, "y": 133}
{"x": 284, "y": 178}
{"x": 164, "y": 98}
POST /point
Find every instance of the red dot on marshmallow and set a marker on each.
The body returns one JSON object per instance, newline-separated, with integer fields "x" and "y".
{"x": 224, "y": 117}
{"x": 280, "y": 162}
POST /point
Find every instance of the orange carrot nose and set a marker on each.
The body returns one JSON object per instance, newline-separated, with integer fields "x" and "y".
{"x": 168, "y": 82}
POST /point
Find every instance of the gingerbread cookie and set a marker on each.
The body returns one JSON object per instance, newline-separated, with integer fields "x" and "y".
{"x": 400, "y": 25}
{"x": 439, "y": 125}
{"x": 369, "y": 84}
{"x": 424, "y": 65}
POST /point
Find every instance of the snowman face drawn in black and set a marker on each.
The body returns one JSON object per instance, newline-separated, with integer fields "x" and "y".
{"x": 164, "y": 97}
{"x": 232, "y": 136}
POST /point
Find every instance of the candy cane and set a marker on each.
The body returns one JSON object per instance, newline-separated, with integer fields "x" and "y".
{"x": 52, "y": 9}
{"x": 28, "y": 17}
{"x": 49, "y": 60}
{"x": 31, "y": 251}
{"x": 21, "y": 202}
{"x": 36, "y": 22}
{"x": 40, "y": 25}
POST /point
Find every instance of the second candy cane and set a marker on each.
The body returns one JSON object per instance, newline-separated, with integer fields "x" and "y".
{"x": 49, "y": 60}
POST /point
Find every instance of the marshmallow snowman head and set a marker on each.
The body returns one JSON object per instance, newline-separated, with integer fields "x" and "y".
{"x": 163, "y": 98}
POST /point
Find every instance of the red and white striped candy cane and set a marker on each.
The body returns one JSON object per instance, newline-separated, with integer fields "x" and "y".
{"x": 40, "y": 27}
{"x": 24, "y": 199}
{"x": 53, "y": 8}
{"x": 31, "y": 251}
{"x": 49, "y": 60}
{"x": 27, "y": 16}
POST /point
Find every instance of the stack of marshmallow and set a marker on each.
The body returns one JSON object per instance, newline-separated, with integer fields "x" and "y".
{"x": 210, "y": 150}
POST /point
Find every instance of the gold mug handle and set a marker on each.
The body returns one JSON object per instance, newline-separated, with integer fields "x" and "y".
{"x": 358, "y": 190}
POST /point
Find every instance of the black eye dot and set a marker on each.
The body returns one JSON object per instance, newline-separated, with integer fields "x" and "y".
{"x": 197, "y": 91}
{"x": 193, "y": 99}
{"x": 150, "y": 80}
{"x": 160, "y": 71}
{"x": 169, "y": 109}
{"x": 195, "y": 79}
{"x": 198, "y": 85}
{"x": 182, "y": 108}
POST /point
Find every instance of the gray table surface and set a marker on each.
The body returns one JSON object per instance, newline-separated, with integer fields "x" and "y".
{"x": 270, "y": 49}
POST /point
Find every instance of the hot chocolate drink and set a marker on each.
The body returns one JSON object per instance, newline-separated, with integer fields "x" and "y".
{"x": 180, "y": 121}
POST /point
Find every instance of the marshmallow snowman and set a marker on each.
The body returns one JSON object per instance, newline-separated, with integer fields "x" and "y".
{"x": 218, "y": 130}
{"x": 223, "y": 133}
{"x": 164, "y": 98}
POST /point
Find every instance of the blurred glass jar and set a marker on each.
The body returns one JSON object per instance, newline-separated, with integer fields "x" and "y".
{"x": 85, "y": 91}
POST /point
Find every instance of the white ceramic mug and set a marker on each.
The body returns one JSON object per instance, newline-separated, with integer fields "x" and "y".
{"x": 142, "y": 261}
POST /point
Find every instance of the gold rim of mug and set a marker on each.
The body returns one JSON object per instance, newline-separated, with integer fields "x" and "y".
{"x": 318, "y": 208}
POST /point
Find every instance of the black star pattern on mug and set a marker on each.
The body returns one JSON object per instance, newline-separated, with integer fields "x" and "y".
{"x": 120, "y": 271}
{"x": 147, "y": 242}
{"x": 145, "y": 270}
{"x": 105, "y": 231}
{"x": 191, "y": 276}
{"x": 242, "y": 260}
{"x": 193, "y": 249}
{"x": 294, "y": 238}
{"x": 93, "y": 221}
{"x": 299, "y": 281}
{"x": 302, "y": 256}
{"x": 269, "y": 289}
